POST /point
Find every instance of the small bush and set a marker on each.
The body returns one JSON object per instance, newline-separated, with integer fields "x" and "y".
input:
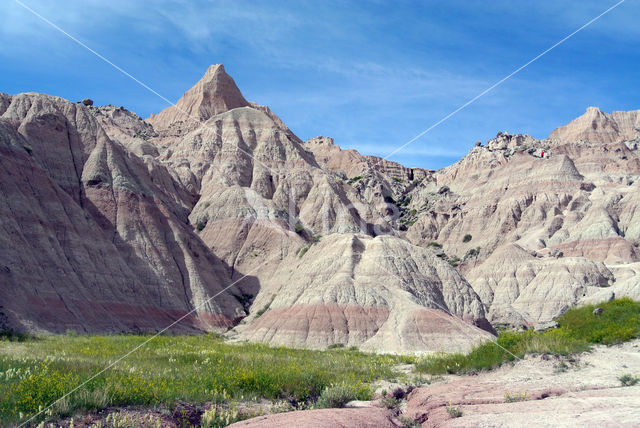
{"x": 355, "y": 179}
{"x": 335, "y": 346}
{"x": 454, "y": 411}
{"x": 200, "y": 226}
{"x": 27, "y": 148}
{"x": 218, "y": 417}
{"x": 628, "y": 380}
{"x": 408, "y": 422}
{"x": 467, "y": 238}
{"x": 434, "y": 244}
{"x": 406, "y": 201}
{"x": 303, "y": 250}
{"x": 262, "y": 311}
{"x": 515, "y": 397}
{"x": 299, "y": 228}
{"x": 390, "y": 402}
{"x": 398, "y": 180}
{"x": 474, "y": 252}
{"x": 337, "y": 396}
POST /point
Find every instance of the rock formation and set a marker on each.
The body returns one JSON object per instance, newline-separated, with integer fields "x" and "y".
{"x": 599, "y": 127}
{"x": 118, "y": 224}
{"x": 374, "y": 293}
{"x": 91, "y": 242}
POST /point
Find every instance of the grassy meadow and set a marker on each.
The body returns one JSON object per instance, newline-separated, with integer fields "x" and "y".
{"x": 578, "y": 330}
{"x": 35, "y": 371}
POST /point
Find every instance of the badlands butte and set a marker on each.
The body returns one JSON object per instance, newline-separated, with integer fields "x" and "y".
{"x": 213, "y": 212}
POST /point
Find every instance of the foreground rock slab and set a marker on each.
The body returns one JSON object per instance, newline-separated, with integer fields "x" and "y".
{"x": 544, "y": 390}
{"x": 329, "y": 418}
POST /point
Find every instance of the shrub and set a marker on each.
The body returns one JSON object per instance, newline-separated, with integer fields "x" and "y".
{"x": 218, "y": 417}
{"x": 434, "y": 244}
{"x": 299, "y": 228}
{"x": 355, "y": 179}
{"x": 408, "y": 422}
{"x": 335, "y": 346}
{"x": 339, "y": 395}
{"x": 454, "y": 411}
{"x": 390, "y": 402}
{"x": 406, "y": 201}
{"x": 628, "y": 380}
{"x": 474, "y": 252}
{"x": 303, "y": 250}
{"x": 467, "y": 238}
{"x": 200, "y": 226}
{"x": 398, "y": 180}
{"x": 515, "y": 397}
{"x": 27, "y": 148}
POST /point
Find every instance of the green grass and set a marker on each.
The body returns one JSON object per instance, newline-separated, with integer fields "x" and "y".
{"x": 628, "y": 379}
{"x": 578, "y": 330}
{"x": 195, "y": 369}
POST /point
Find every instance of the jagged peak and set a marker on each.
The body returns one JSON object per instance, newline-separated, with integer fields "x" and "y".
{"x": 596, "y": 126}
{"x": 216, "y": 92}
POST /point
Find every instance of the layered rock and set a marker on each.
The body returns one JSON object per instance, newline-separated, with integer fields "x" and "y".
{"x": 375, "y": 293}
{"x": 96, "y": 244}
{"x": 578, "y": 201}
{"x": 215, "y": 93}
{"x": 599, "y": 127}
{"x": 529, "y": 288}
{"x": 218, "y": 192}
{"x": 254, "y": 179}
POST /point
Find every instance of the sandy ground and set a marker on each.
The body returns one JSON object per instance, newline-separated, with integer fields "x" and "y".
{"x": 548, "y": 391}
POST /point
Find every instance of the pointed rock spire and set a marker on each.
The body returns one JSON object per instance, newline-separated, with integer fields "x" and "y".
{"x": 598, "y": 127}
{"x": 215, "y": 93}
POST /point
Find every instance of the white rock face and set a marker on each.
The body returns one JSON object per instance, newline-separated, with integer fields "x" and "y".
{"x": 597, "y": 126}
{"x": 127, "y": 225}
{"x": 578, "y": 201}
{"x": 380, "y": 294}
{"x": 520, "y": 287}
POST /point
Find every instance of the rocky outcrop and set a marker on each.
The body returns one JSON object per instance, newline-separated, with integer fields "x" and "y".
{"x": 215, "y": 93}
{"x": 527, "y": 288}
{"x": 255, "y": 181}
{"x": 375, "y": 293}
{"x": 329, "y": 246}
{"x": 352, "y": 164}
{"x": 578, "y": 201}
{"x": 96, "y": 244}
{"x": 599, "y": 127}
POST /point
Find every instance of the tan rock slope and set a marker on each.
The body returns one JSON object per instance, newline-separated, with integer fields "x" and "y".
{"x": 215, "y": 93}
{"x": 510, "y": 216}
{"x": 112, "y": 223}
{"x": 374, "y": 293}
{"x": 599, "y": 127}
{"x": 90, "y": 241}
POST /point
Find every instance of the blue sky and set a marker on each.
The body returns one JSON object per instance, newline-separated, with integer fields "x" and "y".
{"x": 371, "y": 74}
